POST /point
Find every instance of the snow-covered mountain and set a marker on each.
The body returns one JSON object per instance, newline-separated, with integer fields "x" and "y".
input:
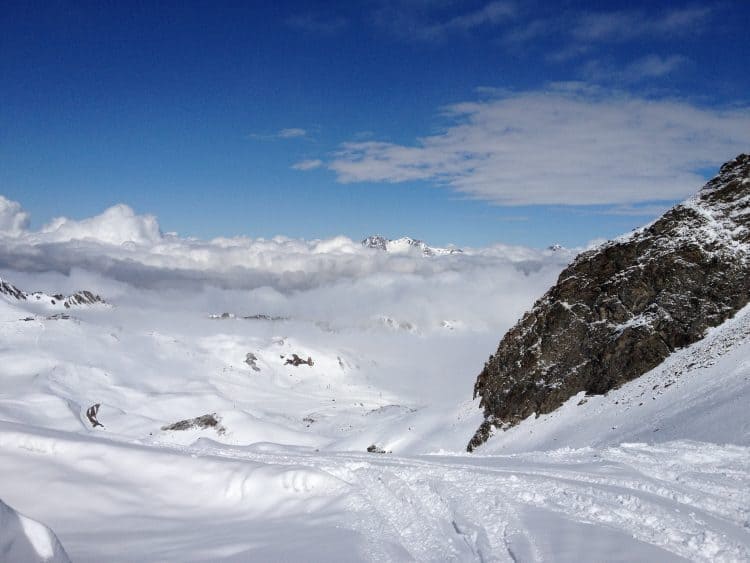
{"x": 57, "y": 301}
{"x": 334, "y": 415}
{"x": 405, "y": 245}
{"x": 215, "y": 426}
{"x": 621, "y": 309}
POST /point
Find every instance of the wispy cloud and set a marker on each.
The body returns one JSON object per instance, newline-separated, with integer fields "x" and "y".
{"x": 628, "y": 25}
{"x": 651, "y": 66}
{"x": 653, "y": 210}
{"x": 317, "y": 24}
{"x": 289, "y": 133}
{"x": 579, "y": 33}
{"x": 572, "y": 145}
{"x": 426, "y": 22}
{"x": 311, "y": 164}
{"x": 13, "y": 219}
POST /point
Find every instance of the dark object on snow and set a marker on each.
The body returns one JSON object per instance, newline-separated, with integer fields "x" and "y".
{"x": 205, "y": 421}
{"x": 91, "y": 414}
{"x": 619, "y": 310}
{"x": 11, "y": 290}
{"x": 373, "y": 449}
{"x": 251, "y": 359}
{"x": 295, "y": 360}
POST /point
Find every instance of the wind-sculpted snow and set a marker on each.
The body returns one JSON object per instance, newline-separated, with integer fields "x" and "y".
{"x": 23, "y": 540}
{"x": 636, "y": 502}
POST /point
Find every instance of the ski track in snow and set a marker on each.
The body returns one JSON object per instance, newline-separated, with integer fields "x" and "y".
{"x": 687, "y": 499}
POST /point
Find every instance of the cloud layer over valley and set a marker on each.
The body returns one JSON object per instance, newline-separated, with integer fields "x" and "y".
{"x": 336, "y": 281}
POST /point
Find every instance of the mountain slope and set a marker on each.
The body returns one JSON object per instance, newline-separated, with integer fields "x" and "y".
{"x": 620, "y": 310}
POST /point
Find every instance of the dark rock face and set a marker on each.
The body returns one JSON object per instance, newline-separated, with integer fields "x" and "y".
{"x": 619, "y": 310}
{"x": 202, "y": 422}
{"x": 11, "y": 290}
{"x": 79, "y": 298}
{"x": 376, "y": 241}
{"x": 84, "y": 297}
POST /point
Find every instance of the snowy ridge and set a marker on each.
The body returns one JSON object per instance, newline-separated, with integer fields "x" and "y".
{"x": 57, "y": 301}
{"x": 406, "y": 245}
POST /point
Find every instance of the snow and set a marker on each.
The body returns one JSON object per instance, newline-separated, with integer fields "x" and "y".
{"x": 23, "y": 540}
{"x": 587, "y": 482}
{"x": 658, "y": 470}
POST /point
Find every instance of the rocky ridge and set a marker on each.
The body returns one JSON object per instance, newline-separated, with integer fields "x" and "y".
{"x": 619, "y": 310}
{"x": 77, "y": 299}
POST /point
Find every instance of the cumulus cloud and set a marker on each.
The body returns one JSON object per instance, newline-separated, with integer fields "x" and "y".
{"x": 13, "y": 219}
{"x": 118, "y": 225}
{"x": 570, "y": 144}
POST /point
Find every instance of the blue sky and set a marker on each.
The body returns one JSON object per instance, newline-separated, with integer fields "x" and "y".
{"x": 464, "y": 122}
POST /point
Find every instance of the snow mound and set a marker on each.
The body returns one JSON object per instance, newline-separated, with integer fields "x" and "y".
{"x": 23, "y": 540}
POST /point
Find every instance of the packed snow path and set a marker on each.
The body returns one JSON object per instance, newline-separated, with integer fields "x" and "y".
{"x": 266, "y": 502}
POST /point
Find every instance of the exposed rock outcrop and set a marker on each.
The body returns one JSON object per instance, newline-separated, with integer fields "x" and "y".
{"x": 78, "y": 299}
{"x": 11, "y": 290}
{"x": 199, "y": 422}
{"x": 619, "y": 310}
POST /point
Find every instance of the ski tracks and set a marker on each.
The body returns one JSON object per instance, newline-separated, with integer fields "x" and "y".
{"x": 664, "y": 496}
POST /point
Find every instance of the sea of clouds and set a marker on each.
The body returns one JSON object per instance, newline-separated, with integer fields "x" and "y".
{"x": 126, "y": 257}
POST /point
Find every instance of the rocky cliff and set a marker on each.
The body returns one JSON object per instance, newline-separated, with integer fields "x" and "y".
{"x": 619, "y": 310}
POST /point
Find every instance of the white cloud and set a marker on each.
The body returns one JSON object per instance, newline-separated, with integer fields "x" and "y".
{"x": 118, "y": 225}
{"x": 13, "y": 219}
{"x": 422, "y": 21}
{"x": 288, "y": 133}
{"x": 308, "y": 164}
{"x": 651, "y": 66}
{"x": 629, "y": 25}
{"x": 126, "y": 247}
{"x": 291, "y": 133}
{"x": 575, "y": 145}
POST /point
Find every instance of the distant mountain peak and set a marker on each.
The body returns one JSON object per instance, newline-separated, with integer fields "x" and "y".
{"x": 406, "y": 245}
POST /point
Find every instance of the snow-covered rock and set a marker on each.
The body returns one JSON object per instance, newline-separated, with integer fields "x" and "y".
{"x": 619, "y": 310}
{"x": 405, "y": 245}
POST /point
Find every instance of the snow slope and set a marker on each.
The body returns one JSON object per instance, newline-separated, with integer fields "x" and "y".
{"x": 285, "y": 475}
{"x": 23, "y": 540}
